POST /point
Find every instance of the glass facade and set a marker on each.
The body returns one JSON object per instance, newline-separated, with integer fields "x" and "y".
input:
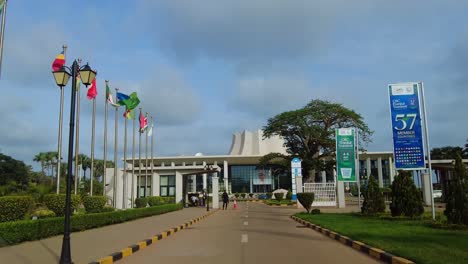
{"x": 141, "y": 186}
{"x": 251, "y": 179}
{"x": 167, "y": 185}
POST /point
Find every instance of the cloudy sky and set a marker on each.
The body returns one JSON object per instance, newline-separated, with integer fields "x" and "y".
{"x": 206, "y": 69}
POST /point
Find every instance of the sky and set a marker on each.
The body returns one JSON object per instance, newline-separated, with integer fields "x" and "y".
{"x": 207, "y": 69}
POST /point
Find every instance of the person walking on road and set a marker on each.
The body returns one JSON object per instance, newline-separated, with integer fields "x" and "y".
{"x": 225, "y": 200}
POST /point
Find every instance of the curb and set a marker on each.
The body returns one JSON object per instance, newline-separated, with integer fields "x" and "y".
{"x": 357, "y": 245}
{"x": 144, "y": 243}
{"x": 281, "y": 205}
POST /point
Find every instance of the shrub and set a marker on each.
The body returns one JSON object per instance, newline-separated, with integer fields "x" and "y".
{"x": 26, "y": 230}
{"x": 306, "y": 199}
{"x": 243, "y": 195}
{"x": 94, "y": 204}
{"x": 251, "y": 195}
{"x": 406, "y": 198}
{"x": 289, "y": 195}
{"x": 279, "y": 196}
{"x": 44, "y": 213}
{"x": 269, "y": 195}
{"x": 457, "y": 195}
{"x": 315, "y": 211}
{"x": 56, "y": 203}
{"x": 141, "y": 202}
{"x": 14, "y": 208}
{"x": 373, "y": 199}
{"x": 106, "y": 209}
{"x": 155, "y": 200}
{"x": 236, "y": 195}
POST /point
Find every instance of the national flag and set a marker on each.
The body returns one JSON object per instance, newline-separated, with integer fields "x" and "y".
{"x": 129, "y": 114}
{"x": 59, "y": 60}
{"x": 150, "y": 131}
{"x": 109, "y": 97}
{"x": 121, "y": 98}
{"x": 92, "y": 90}
{"x": 143, "y": 123}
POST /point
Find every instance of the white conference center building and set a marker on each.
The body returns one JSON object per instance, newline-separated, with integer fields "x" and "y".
{"x": 238, "y": 172}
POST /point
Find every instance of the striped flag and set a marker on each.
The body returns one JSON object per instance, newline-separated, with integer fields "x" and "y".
{"x": 58, "y": 62}
{"x": 109, "y": 97}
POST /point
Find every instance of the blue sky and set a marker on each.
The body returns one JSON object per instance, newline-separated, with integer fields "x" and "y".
{"x": 206, "y": 69}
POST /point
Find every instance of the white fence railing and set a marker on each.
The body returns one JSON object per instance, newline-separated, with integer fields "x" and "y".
{"x": 325, "y": 193}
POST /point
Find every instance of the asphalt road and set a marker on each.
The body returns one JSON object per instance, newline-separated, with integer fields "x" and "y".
{"x": 253, "y": 233}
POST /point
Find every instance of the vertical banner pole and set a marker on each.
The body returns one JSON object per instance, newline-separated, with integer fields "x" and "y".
{"x": 428, "y": 150}
{"x": 59, "y": 147}
{"x": 152, "y": 149}
{"x": 124, "y": 200}
{"x": 2, "y": 36}
{"x": 139, "y": 160}
{"x": 93, "y": 126}
{"x": 133, "y": 164}
{"x": 77, "y": 137}
{"x": 105, "y": 144}
{"x": 116, "y": 133}
{"x": 146, "y": 160}
{"x": 357, "y": 167}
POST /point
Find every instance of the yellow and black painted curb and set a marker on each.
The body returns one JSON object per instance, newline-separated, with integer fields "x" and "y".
{"x": 357, "y": 245}
{"x": 142, "y": 244}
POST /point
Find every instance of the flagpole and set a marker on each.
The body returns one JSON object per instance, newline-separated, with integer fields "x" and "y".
{"x": 92, "y": 146}
{"x": 77, "y": 138}
{"x": 105, "y": 144}
{"x": 152, "y": 148}
{"x": 59, "y": 147}
{"x": 146, "y": 161}
{"x": 133, "y": 163}
{"x": 139, "y": 163}
{"x": 3, "y": 35}
{"x": 115, "y": 154}
{"x": 124, "y": 201}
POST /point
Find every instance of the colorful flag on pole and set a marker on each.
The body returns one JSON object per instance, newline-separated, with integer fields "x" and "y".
{"x": 92, "y": 90}
{"x": 150, "y": 131}
{"x": 59, "y": 60}
{"x": 143, "y": 123}
{"x": 129, "y": 113}
{"x": 109, "y": 97}
{"x": 130, "y": 102}
{"x": 2, "y": 4}
{"x": 121, "y": 98}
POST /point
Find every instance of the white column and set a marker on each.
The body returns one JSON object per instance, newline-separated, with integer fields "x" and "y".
{"x": 155, "y": 184}
{"x": 226, "y": 176}
{"x": 194, "y": 183}
{"x": 215, "y": 188}
{"x": 324, "y": 177}
{"x": 368, "y": 167}
{"x": 390, "y": 166}
{"x": 340, "y": 194}
{"x": 426, "y": 188}
{"x": 299, "y": 189}
{"x": 119, "y": 196}
{"x": 204, "y": 181}
{"x": 178, "y": 182}
{"x": 379, "y": 171}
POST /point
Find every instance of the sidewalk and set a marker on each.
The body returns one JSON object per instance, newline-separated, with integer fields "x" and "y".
{"x": 95, "y": 243}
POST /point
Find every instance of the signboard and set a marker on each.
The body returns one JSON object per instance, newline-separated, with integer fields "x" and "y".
{"x": 406, "y": 126}
{"x": 346, "y": 154}
{"x": 296, "y": 171}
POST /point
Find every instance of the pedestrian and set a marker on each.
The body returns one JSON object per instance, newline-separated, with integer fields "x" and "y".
{"x": 225, "y": 200}
{"x": 235, "y": 203}
{"x": 194, "y": 200}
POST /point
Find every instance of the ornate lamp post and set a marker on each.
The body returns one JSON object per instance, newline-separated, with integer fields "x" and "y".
{"x": 62, "y": 76}
{"x": 208, "y": 168}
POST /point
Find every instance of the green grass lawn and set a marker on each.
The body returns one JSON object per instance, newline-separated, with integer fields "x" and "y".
{"x": 412, "y": 239}
{"x": 272, "y": 202}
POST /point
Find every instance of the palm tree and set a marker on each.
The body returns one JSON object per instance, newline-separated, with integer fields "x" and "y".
{"x": 41, "y": 157}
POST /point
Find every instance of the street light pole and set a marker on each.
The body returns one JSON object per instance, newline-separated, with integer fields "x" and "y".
{"x": 65, "y": 257}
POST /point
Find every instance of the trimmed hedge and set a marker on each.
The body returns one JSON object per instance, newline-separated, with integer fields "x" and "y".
{"x": 141, "y": 202}
{"x": 279, "y": 196}
{"x": 44, "y": 213}
{"x": 27, "y": 230}
{"x": 14, "y": 208}
{"x": 306, "y": 199}
{"x": 56, "y": 203}
{"x": 94, "y": 204}
{"x": 158, "y": 200}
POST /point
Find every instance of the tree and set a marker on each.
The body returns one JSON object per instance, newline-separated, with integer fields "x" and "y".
{"x": 457, "y": 195}
{"x": 41, "y": 158}
{"x": 448, "y": 152}
{"x": 309, "y": 132}
{"x": 12, "y": 170}
{"x": 406, "y": 198}
{"x": 374, "y": 202}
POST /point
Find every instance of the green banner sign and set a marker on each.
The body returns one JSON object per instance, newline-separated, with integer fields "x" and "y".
{"x": 346, "y": 154}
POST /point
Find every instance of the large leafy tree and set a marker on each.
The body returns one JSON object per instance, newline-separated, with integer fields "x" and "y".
{"x": 448, "y": 152}
{"x": 309, "y": 132}
{"x": 12, "y": 170}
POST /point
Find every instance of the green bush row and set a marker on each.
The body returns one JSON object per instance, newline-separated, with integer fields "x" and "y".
{"x": 27, "y": 230}
{"x": 14, "y": 208}
{"x": 153, "y": 201}
{"x": 56, "y": 203}
{"x": 94, "y": 204}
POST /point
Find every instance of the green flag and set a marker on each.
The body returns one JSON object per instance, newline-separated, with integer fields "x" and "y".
{"x": 132, "y": 102}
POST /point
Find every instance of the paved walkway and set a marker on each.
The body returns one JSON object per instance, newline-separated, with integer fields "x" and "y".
{"x": 96, "y": 243}
{"x": 254, "y": 233}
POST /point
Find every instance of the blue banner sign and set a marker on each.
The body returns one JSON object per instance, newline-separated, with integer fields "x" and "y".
{"x": 406, "y": 126}
{"x": 296, "y": 171}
